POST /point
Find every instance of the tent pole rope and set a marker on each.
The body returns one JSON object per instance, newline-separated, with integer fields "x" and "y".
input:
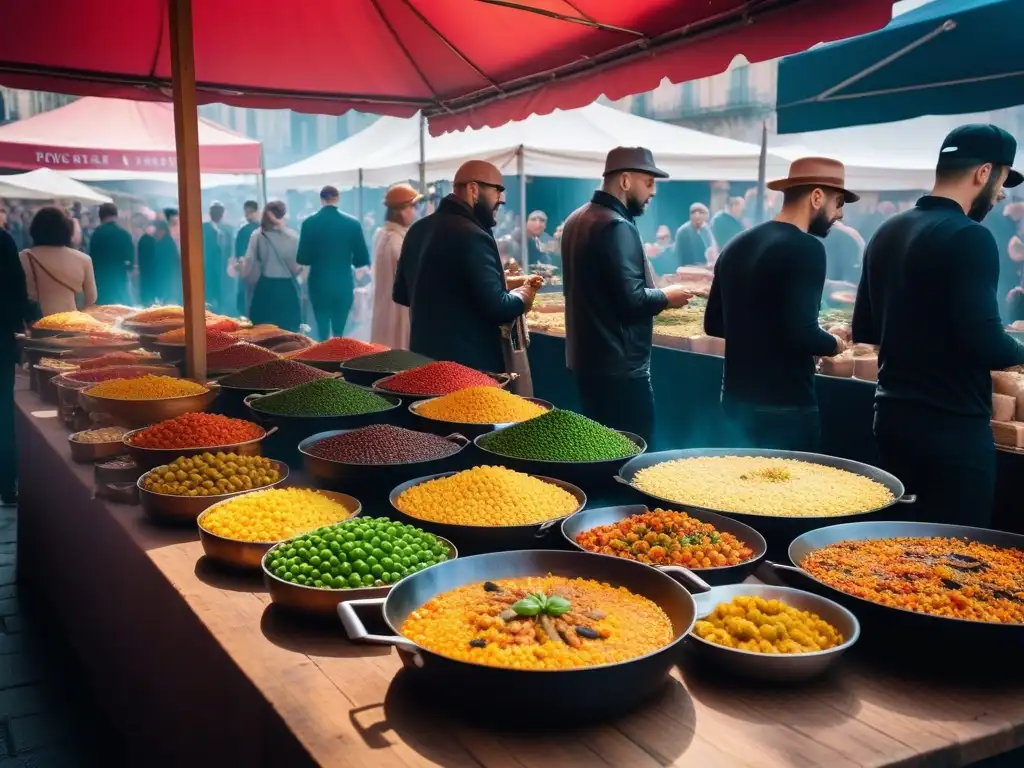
{"x": 359, "y": 197}
{"x": 262, "y": 178}
{"x": 762, "y": 174}
{"x": 423, "y": 154}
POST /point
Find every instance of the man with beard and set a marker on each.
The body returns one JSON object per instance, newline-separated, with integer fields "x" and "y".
{"x": 928, "y": 299}
{"x": 610, "y": 299}
{"x": 450, "y": 276}
{"x": 764, "y": 302}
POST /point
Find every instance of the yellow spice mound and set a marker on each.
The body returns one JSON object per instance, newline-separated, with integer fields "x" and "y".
{"x": 763, "y": 486}
{"x": 273, "y": 515}
{"x": 69, "y": 321}
{"x": 480, "y": 405}
{"x": 766, "y": 626}
{"x": 486, "y": 496}
{"x": 148, "y": 387}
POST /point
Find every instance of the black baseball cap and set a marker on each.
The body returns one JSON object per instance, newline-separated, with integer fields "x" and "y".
{"x": 977, "y": 144}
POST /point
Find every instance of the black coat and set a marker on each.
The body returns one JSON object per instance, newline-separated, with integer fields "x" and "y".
{"x": 112, "y": 253}
{"x": 14, "y": 303}
{"x": 449, "y": 275}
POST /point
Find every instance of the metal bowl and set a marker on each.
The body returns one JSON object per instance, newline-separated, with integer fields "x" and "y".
{"x": 584, "y": 520}
{"x": 167, "y": 508}
{"x": 147, "y": 458}
{"x": 248, "y": 555}
{"x": 297, "y": 428}
{"x": 333, "y": 366}
{"x": 317, "y": 601}
{"x": 371, "y": 477}
{"x": 771, "y": 667}
{"x": 471, "y": 430}
{"x": 477, "y": 539}
{"x": 169, "y": 352}
{"x": 90, "y": 453}
{"x": 142, "y": 413}
{"x": 380, "y": 386}
{"x": 366, "y": 378}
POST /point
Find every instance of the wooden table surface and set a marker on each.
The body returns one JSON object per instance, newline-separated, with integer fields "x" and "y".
{"x": 351, "y": 705}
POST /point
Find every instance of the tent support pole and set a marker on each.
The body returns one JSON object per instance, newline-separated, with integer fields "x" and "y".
{"x": 359, "y": 197}
{"x": 762, "y": 174}
{"x": 263, "y": 178}
{"x": 521, "y": 173}
{"x": 186, "y": 138}
{"x": 423, "y": 154}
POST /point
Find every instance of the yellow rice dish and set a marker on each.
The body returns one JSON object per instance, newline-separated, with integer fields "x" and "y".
{"x": 762, "y": 486}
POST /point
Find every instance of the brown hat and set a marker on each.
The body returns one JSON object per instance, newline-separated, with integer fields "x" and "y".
{"x": 815, "y": 172}
{"x": 632, "y": 159}
{"x": 479, "y": 171}
{"x": 401, "y": 195}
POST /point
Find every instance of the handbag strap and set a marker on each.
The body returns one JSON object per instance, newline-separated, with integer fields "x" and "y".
{"x": 281, "y": 261}
{"x": 32, "y": 259}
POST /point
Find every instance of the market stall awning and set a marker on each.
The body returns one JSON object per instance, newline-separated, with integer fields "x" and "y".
{"x": 120, "y": 138}
{"x": 48, "y": 184}
{"x": 946, "y": 57}
{"x": 468, "y": 62}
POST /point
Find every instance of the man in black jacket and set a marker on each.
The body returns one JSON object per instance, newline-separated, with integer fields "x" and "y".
{"x": 450, "y": 276}
{"x": 927, "y": 297}
{"x": 14, "y": 314}
{"x": 113, "y": 253}
{"x": 610, "y": 299}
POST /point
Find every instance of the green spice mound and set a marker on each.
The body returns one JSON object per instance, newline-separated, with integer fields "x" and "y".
{"x": 323, "y": 397}
{"x": 560, "y": 436}
{"x": 391, "y": 361}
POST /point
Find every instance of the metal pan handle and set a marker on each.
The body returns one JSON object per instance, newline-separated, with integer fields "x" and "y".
{"x": 907, "y": 498}
{"x": 686, "y": 577}
{"x": 785, "y": 570}
{"x": 545, "y": 528}
{"x": 455, "y": 437}
{"x": 357, "y": 632}
{"x": 267, "y": 433}
{"x": 621, "y": 480}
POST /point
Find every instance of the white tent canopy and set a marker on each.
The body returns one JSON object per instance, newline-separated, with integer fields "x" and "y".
{"x": 48, "y": 184}
{"x": 206, "y": 180}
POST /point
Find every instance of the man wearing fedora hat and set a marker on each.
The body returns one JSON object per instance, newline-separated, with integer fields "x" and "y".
{"x": 936, "y": 266}
{"x": 390, "y": 321}
{"x": 610, "y": 299}
{"x": 764, "y": 302}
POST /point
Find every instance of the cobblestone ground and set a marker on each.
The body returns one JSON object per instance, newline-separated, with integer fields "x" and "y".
{"x": 47, "y": 715}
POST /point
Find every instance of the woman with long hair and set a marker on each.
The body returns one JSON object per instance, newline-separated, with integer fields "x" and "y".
{"x": 270, "y": 267}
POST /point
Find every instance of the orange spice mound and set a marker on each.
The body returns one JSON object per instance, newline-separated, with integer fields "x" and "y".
{"x": 338, "y": 349}
{"x": 197, "y": 430}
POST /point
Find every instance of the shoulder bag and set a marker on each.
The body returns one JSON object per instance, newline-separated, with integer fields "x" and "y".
{"x": 306, "y": 307}
{"x": 38, "y": 308}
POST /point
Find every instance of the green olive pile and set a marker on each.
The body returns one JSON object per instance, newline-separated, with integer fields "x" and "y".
{"x": 361, "y": 552}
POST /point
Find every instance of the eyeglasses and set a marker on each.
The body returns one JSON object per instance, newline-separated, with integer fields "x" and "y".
{"x": 492, "y": 186}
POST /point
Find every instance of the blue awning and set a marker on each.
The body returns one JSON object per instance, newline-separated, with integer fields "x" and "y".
{"x": 945, "y": 58}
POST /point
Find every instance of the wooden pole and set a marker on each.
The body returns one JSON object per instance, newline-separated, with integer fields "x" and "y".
{"x": 423, "y": 154}
{"x": 523, "y": 247}
{"x": 762, "y": 167}
{"x": 186, "y": 139}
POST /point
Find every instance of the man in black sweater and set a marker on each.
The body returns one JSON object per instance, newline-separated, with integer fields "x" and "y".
{"x": 764, "y": 302}
{"x": 928, "y": 299}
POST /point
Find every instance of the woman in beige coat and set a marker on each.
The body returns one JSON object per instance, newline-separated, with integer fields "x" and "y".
{"x": 56, "y": 273}
{"x": 390, "y": 324}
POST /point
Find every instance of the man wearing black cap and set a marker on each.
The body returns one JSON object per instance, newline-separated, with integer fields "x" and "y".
{"x": 610, "y": 299}
{"x": 928, "y": 299}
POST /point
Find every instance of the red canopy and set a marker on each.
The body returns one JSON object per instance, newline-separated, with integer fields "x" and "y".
{"x": 464, "y": 62}
{"x": 118, "y": 135}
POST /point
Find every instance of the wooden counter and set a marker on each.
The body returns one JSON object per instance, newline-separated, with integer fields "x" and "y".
{"x": 198, "y": 669}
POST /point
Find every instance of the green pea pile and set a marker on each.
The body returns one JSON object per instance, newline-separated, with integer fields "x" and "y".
{"x": 361, "y": 552}
{"x": 559, "y": 436}
{"x": 391, "y": 361}
{"x": 323, "y": 397}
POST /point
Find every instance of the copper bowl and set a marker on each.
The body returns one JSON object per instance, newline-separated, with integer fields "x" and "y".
{"x": 148, "y": 458}
{"x": 89, "y": 453}
{"x": 168, "y": 508}
{"x": 248, "y": 555}
{"x": 142, "y": 413}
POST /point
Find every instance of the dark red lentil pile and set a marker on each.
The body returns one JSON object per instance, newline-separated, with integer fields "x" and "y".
{"x": 437, "y": 379}
{"x": 274, "y": 374}
{"x": 392, "y": 361}
{"x": 383, "y": 444}
{"x": 241, "y": 355}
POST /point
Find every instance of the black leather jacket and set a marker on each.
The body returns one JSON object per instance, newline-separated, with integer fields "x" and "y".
{"x": 609, "y": 304}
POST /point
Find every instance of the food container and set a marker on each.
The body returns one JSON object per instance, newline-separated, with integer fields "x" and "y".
{"x": 41, "y": 380}
{"x": 470, "y": 429}
{"x": 329, "y": 473}
{"x": 586, "y": 519}
{"x": 89, "y": 453}
{"x": 148, "y": 458}
{"x": 476, "y": 539}
{"x": 381, "y": 386}
{"x": 120, "y": 469}
{"x": 532, "y": 696}
{"x": 231, "y": 400}
{"x": 142, "y": 413}
{"x": 769, "y": 667}
{"x": 248, "y": 555}
{"x": 121, "y": 493}
{"x": 168, "y": 508}
{"x": 172, "y": 353}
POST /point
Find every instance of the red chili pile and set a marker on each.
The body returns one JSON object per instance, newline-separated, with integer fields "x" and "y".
{"x": 437, "y": 379}
{"x": 241, "y": 355}
{"x": 383, "y": 444}
{"x": 274, "y": 374}
{"x": 197, "y": 430}
{"x": 103, "y": 361}
{"x": 338, "y": 349}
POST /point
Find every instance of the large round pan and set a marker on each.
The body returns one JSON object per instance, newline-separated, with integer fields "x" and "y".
{"x": 380, "y": 386}
{"x": 471, "y": 430}
{"x": 586, "y": 519}
{"x": 777, "y": 530}
{"x": 546, "y": 696}
{"x": 914, "y": 633}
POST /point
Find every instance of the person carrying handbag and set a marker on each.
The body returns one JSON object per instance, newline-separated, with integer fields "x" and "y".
{"x": 59, "y": 278}
{"x": 270, "y": 268}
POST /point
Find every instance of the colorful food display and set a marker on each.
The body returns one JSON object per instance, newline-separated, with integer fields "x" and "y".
{"x": 211, "y": 474}
{"x": 239, "y": 355}
{"x": 147, "y": 387}
{"x": 273, "y": 515}
{"x": 763, "y": 486}
{"x": 766, "y": 626}
{"x": 218, "y": 334}
{"x": 560, "y": 436}
{"x": 666, "y": 537}
{"x": 480, "y": 405}
{"x": 486, "y": 496}
{"x": 274, "y": 374}
{"x": 115, "y": 358}
{"x": 85, "y": 378}
{"x": 390, "y": 361}
{"x": 361, "y": 552}
{"x": 70, "y": 322}
{"x": 259, "y": 333}
{"x": 955, "y": 578}
{"x": 324, "y": 397}
{"x": 383, "y": 444}
{"x": 437, "y": 379}
{"x": 197, "y": 430}
{"x": 546, "y": 622}
{"x": 55, "y": 364}
{"x": 338, "y": 349}
{"x": 100, "y": 435}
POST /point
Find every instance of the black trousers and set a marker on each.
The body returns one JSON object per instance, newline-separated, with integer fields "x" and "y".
{"x": 331, "y": 313}
{"x": 619, "y": 403}
{"x": 8, "y": 449}
{"x": 275, "y": 300}
{"x": 772, "y": 427}
{"x": 948, "y": 462}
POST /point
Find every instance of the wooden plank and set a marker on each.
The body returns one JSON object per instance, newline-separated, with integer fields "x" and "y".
{"x": 186, "y": 140}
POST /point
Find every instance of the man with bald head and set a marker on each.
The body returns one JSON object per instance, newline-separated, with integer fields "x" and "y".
{"x": 450, "y": 275}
